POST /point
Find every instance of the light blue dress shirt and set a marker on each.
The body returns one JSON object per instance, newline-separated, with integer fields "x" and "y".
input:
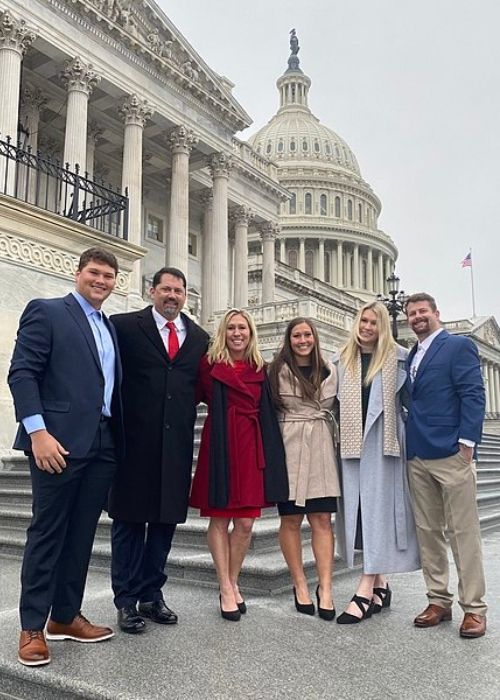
{"x": 106, "y": 352}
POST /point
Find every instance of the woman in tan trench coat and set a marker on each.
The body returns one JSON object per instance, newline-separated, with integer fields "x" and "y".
{"x": 304, "y": 387}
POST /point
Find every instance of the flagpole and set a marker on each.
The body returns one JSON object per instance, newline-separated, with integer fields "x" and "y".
{"x": 472, "y": 284}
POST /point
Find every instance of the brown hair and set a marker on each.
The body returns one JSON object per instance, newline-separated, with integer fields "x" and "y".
{"x": 97, "y": 255}
{"x": 309, "y": 388}
{"x": 420, "y": 296}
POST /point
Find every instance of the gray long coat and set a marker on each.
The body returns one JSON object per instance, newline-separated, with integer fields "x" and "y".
{"x": 380, "y": 484}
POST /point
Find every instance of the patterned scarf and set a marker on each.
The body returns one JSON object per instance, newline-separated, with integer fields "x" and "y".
{"x": 351, "y": 418}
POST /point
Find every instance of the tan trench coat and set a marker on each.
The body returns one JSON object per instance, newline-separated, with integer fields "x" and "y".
{"x": 309, "y": 430}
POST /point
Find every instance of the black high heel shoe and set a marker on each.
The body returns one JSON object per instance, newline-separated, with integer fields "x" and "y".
{"x": 385, "y": 595}
{"x": 304, "y": 608}
{"x": 232, "y": 615}
{"x": 242, "y": 607}
{"x": 366, "y": 607}
{"x": 324, "y": 613}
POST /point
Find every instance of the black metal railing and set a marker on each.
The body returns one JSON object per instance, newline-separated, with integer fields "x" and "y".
{"x": 44, "y": 182}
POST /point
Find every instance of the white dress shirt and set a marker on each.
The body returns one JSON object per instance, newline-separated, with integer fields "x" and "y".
{"x": 161, "y": 323}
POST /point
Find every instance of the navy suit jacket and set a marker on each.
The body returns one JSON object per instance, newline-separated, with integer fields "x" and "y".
{"x": 446, "y": 399}
{"x": 55, "y": 371}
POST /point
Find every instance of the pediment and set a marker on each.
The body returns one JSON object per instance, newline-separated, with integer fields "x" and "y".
{"x": 488, "y": 331}
{"x": 145, "y": 29}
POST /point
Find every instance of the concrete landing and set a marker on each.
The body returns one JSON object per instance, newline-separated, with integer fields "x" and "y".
{"x": 273, "y": 652}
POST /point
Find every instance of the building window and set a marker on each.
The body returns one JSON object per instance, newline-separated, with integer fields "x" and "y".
{"x": 316, "y": 146}
{"x": 337, "y": 207}
{"x": 337, "y": 152}
{"x": 328, "y": 148}
{"x": 268, "y": 148}
{"x": 292, "y": 145}
{"x": 280, "y": 146}
{"x": 327, "y": 267}
{"x": 293, "y": 203}
{"x": 364, "y": 274}
{"x": 193, "y": 245}
{"x": 360, "y": 213}
{"x": 154, "y": 228}
{"x": 349, "y": 209}
{"x": 305, "y": 145}
{"x": 309, "y": 263}
{"x": 292, "y": 258}
{"x": 323, "y": 205}
{"x": 308, "y": 203}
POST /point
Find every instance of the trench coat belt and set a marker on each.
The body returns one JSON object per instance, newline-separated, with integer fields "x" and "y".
{"x": 233, "y": 414}
{"x": 305, "y": 448}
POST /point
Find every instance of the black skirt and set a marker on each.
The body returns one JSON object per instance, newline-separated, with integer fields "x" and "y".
{"x": 313, "y": 505}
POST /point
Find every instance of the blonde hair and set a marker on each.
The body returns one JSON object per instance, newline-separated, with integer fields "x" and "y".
{"x": 385, "y": 346}
{"x": 218, "y": 351}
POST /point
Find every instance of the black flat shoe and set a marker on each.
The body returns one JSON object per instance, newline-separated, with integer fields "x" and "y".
{"x": 304, "y": 608}
{"x": 242, "y": 607}
{"x": 324, "y": 613}
{"x": 158, "y": 612}
{"x": 130, "y": 621}
{"x": 232, "y": 615}
{"x": 385, "y": 595}
{"x": 366, "y": 607}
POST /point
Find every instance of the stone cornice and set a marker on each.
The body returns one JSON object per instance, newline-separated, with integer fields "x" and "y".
{"x": 143, "y": 35}
{"x": 263, "y": 180}
{"x": 347, "y": 233}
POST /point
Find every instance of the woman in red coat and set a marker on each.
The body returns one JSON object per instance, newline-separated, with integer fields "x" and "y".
{"x": 241, "y": 466}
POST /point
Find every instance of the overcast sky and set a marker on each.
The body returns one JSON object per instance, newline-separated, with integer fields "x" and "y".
{"x": 414, "y": 89}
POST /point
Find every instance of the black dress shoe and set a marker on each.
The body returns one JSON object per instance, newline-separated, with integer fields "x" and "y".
{"x": 242, "y": 607}
{"x": 324, "y": 613}
{"x": 304, "y": 608}
{"x": 158, "y": 612}
{"x": 130, "y": 621}
{"x": 231, "y": 615}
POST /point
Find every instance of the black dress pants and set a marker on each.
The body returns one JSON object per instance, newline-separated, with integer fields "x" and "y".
{"x": 139, "y": 557}
{"x": 66, "y": 509}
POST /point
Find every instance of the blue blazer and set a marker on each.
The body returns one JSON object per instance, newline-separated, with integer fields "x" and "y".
{"x": 55, "y": 371}
{"x": 446, "y": 400}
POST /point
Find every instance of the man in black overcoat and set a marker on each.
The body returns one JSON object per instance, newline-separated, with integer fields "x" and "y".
{"x": 160, "y": 349}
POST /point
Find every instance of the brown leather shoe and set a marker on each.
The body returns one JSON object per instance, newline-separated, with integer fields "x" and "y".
{"x": 33, "y": 649}
{"x": 432, "y": 615}
{"x": 80, "y": 630}
{"x": 473, "y": 626}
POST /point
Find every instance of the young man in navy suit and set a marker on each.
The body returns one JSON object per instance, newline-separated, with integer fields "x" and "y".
{"x": 65, "y": 379}
{"x": 446, "y": 412}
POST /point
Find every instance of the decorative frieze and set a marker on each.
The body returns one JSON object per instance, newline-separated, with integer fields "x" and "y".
{"x": 37, "y": 255}
{"x": 80, "y": 76}
{"x": 15, "y": 33}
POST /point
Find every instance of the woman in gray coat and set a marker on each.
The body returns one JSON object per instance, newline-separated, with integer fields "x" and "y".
{"x": 375, "y": 515}
{"x": 304, "y": 388}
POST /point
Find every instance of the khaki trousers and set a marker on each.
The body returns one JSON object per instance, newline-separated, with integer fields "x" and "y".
{"x": 444, "y": 498}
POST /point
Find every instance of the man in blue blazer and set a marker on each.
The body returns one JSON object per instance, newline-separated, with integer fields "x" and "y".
{"x": 65, "y": 379}
{"x": 446, "y": 412}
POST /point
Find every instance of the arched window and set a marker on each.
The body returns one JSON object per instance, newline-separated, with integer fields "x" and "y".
{"x": 309, "y": 263}
{"x": 316, "y": 146}
{"x": 268, "y": 148}
{"x": 327, "y": 267}
{"x": 280, "y": 146}
{"x": 337, "y": 207}
{"x": 308, "y": 203}
{"x": 349, "y": 209}
{"x": 360, "y": 213}
{"x": 292, "y": 258}
{"x": 328, "y": 148}
{"x": 323, "y": 206}
{"x": 305, "y": 145}
{"x": 292, "y": 145}
{"x": 293, "y": 203}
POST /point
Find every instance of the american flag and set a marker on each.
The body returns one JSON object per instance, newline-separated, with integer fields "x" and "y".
{"x": 467, "y": 261}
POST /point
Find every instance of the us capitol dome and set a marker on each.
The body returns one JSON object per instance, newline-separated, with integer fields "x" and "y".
{"x": 329, "y": 227}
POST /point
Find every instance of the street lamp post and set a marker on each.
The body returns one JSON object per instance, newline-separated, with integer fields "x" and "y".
{"x": 394, "y": 303}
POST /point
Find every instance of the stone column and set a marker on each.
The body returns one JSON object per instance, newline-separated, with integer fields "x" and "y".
{"x": 15, "y": 39}
{"x": 369, "y": 270}
{"x": 207, "y": 271}
{"x": 388, "y": 270}
{"x": 340, "y": 265}
{"x": 268, "y": 234}
{"x": 321, "y": 259}
{"x": 486, "y": 380}
{"x": 242, "y": 216}
{"x": 355, "y": 265}
{"x": 80, "y": 80}
{"x": 497, "y": 386}
{"x": 491, "y": 388}
{"x": 135, "y": 113}
{"x": 32, "y": 102}
{"x": 181, "y": 141}
{"x": 302, "y": 254}
{"x": 380, "y": 270}
{"x": 94, "y": 134}
{"x": 220, "y": 166}
{"x": 283, "y": 251}
{"x": 333, "y": 267}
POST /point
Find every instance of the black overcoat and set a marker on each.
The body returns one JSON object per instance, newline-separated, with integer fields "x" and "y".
{"x": 153, "y": 480}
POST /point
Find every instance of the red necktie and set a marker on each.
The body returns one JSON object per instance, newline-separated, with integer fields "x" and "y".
{"x": 173, "y": 340}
